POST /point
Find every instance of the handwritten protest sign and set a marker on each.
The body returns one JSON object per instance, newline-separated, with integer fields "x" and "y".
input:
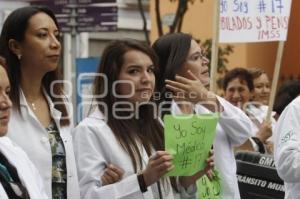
{"x": 189, "y": 140}
{"x": 254, "y": 20}
{"x": 209, "y": 189}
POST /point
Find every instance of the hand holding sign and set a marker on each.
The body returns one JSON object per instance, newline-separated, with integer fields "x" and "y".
{"x": 159, "y": 164}
{"x": 265, "y": 131}
{"x": 209, "y": 188}
{"x": 186, "y": 181}
{"x": 189, "y": 139}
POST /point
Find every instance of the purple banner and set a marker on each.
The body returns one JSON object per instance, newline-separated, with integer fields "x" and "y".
{"x": 66, "y": 29}
{"x": 63, "y": 20}
{"x": 57, "y": 9}
{"x": 95, "y": 1}
{"x": 49, "y": 2}
{"x": 87, "y": 20}
{"x": 90, "y": 18}
{"x": 60, "y": 10}
{"x": 97, "y": 9}
{"x": 96, "y": 19}
{"x": 102, "y": 28}
{"x": 60, "y": 2}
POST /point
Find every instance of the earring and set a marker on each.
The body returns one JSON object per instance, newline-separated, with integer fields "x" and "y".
{"x": 19, "y": 56}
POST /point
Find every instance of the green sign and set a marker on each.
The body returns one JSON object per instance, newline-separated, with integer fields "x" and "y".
{"x": 189, "y": 139}
{"x": 209, "y": 188}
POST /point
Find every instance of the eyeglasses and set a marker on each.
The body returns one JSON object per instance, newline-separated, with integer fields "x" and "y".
{"x": 197, "y": 55}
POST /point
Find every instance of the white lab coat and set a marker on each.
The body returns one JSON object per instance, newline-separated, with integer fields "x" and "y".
{"x": 25, "y": 129}
{"x": 28, "y": 174}
{"x": 287, "y": 149}
{"x": 233, "y": 130}
{"x": 95, "y": 147}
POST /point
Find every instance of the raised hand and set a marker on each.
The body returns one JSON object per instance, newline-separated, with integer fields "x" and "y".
{"x": 191, "y": 89}
{"x": 194, "y": 91}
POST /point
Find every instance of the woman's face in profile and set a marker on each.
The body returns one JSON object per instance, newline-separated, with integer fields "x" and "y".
{"x": 40, "y": 50}
{"x": 5, "y": 103}
{"x": 197, "y": 63}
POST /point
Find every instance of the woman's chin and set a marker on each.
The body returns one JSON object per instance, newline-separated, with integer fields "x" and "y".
{"x": 205, "y": 82}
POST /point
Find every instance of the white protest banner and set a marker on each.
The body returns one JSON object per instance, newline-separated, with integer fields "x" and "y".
{"x": 254, "y": 20}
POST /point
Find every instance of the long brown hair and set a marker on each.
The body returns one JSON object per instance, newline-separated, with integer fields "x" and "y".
{"x": 129, "y": 132}
{"x": 172, "y": 50}
{"x": 15, "y": 27}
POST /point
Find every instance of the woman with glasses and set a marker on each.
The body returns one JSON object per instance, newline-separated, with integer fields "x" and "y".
{"x": 184, "y": 73}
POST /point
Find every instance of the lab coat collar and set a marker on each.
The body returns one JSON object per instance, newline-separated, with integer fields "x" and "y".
{"x": 55, "y": 113}
{"x": 175, "y": 110}
{"x": 259, "y": 111}
{"x": 97, "y": 114}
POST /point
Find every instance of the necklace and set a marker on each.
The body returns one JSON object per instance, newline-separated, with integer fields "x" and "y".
{"x": 34, "y": 103}
{"x": 33, "y": 106}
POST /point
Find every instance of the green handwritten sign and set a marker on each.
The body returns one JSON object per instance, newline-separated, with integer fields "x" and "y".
{"x": 189, "y": 139}
{"x": 209, "y": 189}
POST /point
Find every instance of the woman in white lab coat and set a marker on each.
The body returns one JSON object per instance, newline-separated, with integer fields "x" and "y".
{"x": 184, "y": 72}
{"x": 258, "y": 107}
{"x": 40, "y": 122}
{"x": 19, "y": 179}
{"x": 287, "y": 148}
{"x": 238, "y": 88}
{"x": 123, "y": 130}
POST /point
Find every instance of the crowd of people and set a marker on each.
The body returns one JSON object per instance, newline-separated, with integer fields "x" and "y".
{"x": 121, "y": 154}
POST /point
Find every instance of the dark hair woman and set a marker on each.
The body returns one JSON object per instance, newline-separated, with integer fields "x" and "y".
{"x": 123, "y": 130}
{"x": 184, "y": 73}
{"x": 40, "y": 122}
{"x": 238, "y": 86}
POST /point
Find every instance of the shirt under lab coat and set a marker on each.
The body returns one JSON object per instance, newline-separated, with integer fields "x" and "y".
{"x": 287, "y": 149}
{"x": 28, "y": 174}
{"x": 233, "y": 130}
{"x": 95, "y": 147}
{"x": 25, "y": 130}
